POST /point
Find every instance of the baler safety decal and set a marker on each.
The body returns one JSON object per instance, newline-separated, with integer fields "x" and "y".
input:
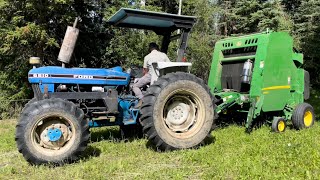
{"x": 275, "y": 88}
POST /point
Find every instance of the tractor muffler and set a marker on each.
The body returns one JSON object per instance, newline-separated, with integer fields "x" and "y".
{"x": 68, "y": 43}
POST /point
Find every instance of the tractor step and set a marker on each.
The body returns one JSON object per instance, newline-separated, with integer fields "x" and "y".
{"x": 102, "y": 113}
{"x": 109, "y": 118}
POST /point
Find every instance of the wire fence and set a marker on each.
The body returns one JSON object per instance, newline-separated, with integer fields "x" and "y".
{"x": 10, "y": 109}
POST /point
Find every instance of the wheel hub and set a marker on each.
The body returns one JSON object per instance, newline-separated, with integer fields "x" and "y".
{"x": 54, "y": 134}
{"x": 281, "y": 126}
{"x": 180, "y": 114}
{"x": 307, "y": 119}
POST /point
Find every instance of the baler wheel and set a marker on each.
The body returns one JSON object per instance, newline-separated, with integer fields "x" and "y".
{"x": 303, "y": 116}
{"x": 279, "y": 125}
{"x": 178, "y": 112}
{"x": 52, "y": 131}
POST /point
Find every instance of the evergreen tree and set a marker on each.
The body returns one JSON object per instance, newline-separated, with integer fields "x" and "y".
{"x": 307, "y": 28}
{"x": 249, "y": 16}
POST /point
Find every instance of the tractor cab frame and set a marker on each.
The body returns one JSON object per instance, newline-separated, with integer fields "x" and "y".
{"x": 163, "y": 24}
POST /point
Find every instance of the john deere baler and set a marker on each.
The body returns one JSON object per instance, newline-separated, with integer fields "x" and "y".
{"x": 261, "y": 74}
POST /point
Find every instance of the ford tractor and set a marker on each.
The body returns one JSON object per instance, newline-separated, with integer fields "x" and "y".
{"x": 54, "y": 126}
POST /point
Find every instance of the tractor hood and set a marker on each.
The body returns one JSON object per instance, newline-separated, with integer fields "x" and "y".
{"x": 55, "y": 75}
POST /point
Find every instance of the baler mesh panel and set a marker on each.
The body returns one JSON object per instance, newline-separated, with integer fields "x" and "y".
{"x": 237, "y": 52}
{"x": 231, "y": 75}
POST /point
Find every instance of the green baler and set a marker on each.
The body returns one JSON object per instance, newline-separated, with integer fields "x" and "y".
{"x": 261, "y": 74}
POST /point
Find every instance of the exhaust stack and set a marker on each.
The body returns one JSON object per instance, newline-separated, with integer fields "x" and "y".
{"x": 68, "y": 44}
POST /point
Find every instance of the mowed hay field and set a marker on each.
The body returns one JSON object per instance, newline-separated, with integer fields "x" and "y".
{"x": 233, "y": 155}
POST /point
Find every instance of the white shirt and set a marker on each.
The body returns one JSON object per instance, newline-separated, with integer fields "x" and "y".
{"x": 154, "y": 56}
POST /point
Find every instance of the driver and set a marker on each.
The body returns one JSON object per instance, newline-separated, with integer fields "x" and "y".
{"x": 154, "y": 56}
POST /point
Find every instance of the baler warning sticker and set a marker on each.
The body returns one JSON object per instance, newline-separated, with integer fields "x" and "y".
{"x": 261, "y": 64}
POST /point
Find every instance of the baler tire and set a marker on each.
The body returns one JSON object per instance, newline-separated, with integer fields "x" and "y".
{"x": 46, "y": 114}
{"x": 279, "y": 125}
{"x": 303, "y": 116}
{"x": 178, "y": 88}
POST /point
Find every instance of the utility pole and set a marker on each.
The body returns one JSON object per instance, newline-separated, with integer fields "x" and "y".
{"x": 179, "y": 12}
{"x": 143, "y": 3}
{"x": 180, "y": 6}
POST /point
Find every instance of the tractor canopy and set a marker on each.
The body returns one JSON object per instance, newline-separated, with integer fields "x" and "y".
{"x": 161, "y": 23}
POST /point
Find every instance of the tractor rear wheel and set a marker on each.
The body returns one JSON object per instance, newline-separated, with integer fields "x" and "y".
{"x": 178, "y": 112}
{"x": 52, "y": 131}
{"x": 303, "y": 116}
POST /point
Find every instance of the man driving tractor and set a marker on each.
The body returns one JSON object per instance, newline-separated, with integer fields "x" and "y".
{"x": 154, "y": 56}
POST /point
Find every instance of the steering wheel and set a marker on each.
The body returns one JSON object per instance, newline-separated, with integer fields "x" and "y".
{"x": 135, "y": 71}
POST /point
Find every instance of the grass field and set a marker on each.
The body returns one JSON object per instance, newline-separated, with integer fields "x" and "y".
{"x": 233, "y": 155}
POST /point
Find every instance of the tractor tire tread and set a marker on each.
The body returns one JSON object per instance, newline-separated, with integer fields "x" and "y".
{"x": 36, "y": 108}
{"x": 149, "y": 101}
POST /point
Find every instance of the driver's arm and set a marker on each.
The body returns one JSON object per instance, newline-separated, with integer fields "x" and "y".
{"x": 145, "y": 66}
{"x": 145, "y": 71}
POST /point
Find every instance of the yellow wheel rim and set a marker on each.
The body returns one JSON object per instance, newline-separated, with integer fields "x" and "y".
{"x": 281, "y": 126}
{"x": 308, "y": 117}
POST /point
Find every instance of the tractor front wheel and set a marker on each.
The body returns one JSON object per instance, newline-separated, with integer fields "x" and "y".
{"x": 177, "y": 112}
{"x": 303, "y": 116}
{"x": 52, "y": 131}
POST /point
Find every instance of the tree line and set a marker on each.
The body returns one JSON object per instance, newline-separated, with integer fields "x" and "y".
{"x": 36, "y": 28}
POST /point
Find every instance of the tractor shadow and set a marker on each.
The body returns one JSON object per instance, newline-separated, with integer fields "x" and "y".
{"x": 208, "y": 140}
{"x": 224, "y": 122}
{"x": 89, "y": 153}
{"x": 112, "y": 134}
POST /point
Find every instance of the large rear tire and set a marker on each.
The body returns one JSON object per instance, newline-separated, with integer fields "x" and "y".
{"x": 52, "y": 131}
{"x": 178, "y": 112}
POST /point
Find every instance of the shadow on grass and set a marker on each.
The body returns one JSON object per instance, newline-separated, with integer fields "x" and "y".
{"x": 226, "y": 121}
{"x": 125, "y": 134}
{"x": 208, "y": 140}
{"x": 89, "y": 153}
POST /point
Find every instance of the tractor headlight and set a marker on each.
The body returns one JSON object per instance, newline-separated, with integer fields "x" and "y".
{"x": 34, "y": 61}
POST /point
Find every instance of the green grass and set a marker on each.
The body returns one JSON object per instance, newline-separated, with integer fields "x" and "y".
{"x": 233, "y": 155}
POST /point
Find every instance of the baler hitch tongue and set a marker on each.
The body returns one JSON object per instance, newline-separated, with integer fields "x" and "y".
{"x": 68, "y": 43}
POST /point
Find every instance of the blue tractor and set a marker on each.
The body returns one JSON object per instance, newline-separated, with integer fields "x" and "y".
{"x": 177, "y": 110}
